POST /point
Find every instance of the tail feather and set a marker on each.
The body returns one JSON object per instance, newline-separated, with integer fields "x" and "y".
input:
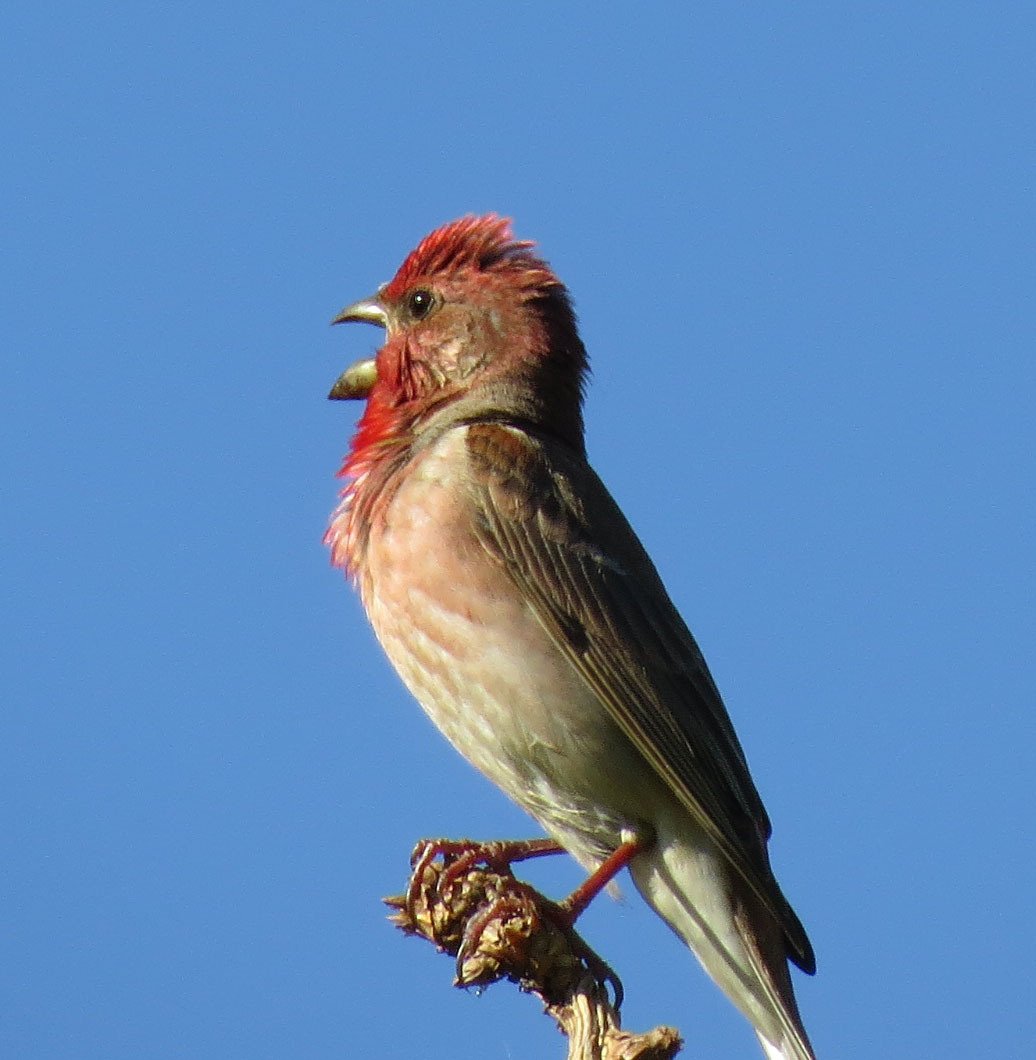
{"x": 787, "y": 1051}
{"x": 792, "y": 1044}
{"x": 685, "y": 878}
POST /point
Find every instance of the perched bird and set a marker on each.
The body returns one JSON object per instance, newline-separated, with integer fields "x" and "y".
{"x": 521, "y": 610}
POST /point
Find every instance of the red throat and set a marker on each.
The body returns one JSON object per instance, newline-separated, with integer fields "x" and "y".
{"x": 372, "y": 444}
{"x": 477, "y": 251}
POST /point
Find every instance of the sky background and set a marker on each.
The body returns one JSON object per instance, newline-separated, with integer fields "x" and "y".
{"x": 800, "y": 239}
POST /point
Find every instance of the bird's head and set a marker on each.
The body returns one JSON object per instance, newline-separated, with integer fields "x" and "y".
{"x": 472, "y": 316}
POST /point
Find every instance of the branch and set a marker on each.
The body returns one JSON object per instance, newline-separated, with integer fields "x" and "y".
{"x": 500, "y": 928}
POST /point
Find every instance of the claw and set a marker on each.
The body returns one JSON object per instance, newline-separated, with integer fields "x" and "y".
{"x": 464, "y": 897}
{"x": 518, "y": 904}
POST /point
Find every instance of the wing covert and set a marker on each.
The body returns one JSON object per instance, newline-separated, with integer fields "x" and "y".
{"x": 549, "y": 520}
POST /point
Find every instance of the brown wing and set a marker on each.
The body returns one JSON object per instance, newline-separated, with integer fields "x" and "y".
{"x": 546, "y": 516}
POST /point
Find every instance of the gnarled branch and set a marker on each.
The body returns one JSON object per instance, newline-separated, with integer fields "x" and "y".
{"x": 500, "y": 928}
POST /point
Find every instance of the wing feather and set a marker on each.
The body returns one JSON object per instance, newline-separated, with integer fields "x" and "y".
{"x": 549, "y": 520}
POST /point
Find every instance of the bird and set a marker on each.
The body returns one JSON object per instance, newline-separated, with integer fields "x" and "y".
{"x": 520, "y": 609}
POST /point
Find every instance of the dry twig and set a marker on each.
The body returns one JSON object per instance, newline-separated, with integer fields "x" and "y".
{"x": 500, "y": 928}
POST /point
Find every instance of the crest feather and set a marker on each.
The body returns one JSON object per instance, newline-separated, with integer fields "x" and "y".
{"x": 482, "y": 243}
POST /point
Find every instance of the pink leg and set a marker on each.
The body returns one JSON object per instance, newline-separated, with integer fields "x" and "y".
{"x": 575, "y": 904}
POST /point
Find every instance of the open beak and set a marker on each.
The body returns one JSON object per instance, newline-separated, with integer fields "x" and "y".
{"x": 358, "y": 379}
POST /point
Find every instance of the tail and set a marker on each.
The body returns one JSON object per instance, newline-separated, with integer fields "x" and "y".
{"x": 687, "y": 881}
{"x": 788, "y": 1051}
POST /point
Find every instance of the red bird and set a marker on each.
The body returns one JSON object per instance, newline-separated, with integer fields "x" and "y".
{"x": 521, "y": 610}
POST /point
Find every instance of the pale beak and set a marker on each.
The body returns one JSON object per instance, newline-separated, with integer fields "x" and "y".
{"x": 369, "y": 310}
{"x": 358, "y": 379}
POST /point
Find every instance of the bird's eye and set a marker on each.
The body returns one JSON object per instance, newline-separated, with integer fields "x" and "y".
{"x": 420, "y": 303}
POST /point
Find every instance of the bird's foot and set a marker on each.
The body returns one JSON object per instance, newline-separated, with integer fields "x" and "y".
{"x": 523, "y": 903}
{"x": 460, "y": 856}
{"x": 464, "y": 898}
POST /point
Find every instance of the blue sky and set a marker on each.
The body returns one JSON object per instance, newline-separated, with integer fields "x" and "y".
{"x": 800, "y": 241}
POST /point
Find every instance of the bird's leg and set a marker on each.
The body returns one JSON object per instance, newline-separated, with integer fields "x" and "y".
{"x": 575, "y": 904}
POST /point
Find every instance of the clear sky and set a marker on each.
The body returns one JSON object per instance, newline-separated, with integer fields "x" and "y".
{"x": 800, "y": 239}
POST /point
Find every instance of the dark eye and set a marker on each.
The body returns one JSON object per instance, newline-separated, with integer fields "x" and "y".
{"x": 420, "y": 303}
